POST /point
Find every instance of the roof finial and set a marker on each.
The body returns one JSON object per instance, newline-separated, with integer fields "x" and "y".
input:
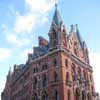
{"x": 72, "y": 28}
{"x": 76, "y": 26}
{"x": 56, "y": 5}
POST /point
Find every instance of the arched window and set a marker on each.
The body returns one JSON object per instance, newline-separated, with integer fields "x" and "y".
{"x": 54, "y": 42}
{"x": 83, "y": 95}
{"x": 78, "y": 94}
{"x": 90, "y": 77}
{"x": 66, "y": 62}
{"x": 55, "y": 62}
{"x": 68, "y": 95}
{"x": 35, "y": 97}
{"x": 55, "y": 77}
{"x": 45, "y": 96}
{"x": 44, "y": 67}
{"x": 54, "y": 34}
{"x": 73, "y": 72}
{"x": 75, "y": 49}
{"x": 84, "y": 75}
{"x": 45, "y": 81}
{"x": 35, "y": 70}
{"x": 79, "y": 71}
{"x": 56, "y": 95}
{"x": 88, "y": 96}
{"x": 67, "y": 76}
{"x": 35, "y": 83}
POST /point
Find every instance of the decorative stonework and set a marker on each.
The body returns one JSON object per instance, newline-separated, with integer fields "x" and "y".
{"x": 58, "y": 69}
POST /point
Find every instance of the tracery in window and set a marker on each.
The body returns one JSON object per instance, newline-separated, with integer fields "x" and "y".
{"x": 44, "y": 67}
{"x": 44, "y": 96}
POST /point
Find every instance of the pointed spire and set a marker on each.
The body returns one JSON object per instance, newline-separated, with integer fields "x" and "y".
{"x": 57, "y": 17}
{"x": 79, "y": 36}
{"x": 72, "y": 28}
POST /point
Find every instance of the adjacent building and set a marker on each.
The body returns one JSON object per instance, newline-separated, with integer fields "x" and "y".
{"x": 58, "y": 69}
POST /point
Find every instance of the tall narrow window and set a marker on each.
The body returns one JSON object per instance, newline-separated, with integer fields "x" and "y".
{"x": 68, "y": 95}
{"x": 55, "y": 62}
{"x": 35, "y": 97}
{"x": 35, "y": 83}
{"x": 67, "y": 77}
{"x": 79, "y": 71}
{"x": 75, "y": 51}
{"x": 66, "y": 62}
{"x": 55, "y": 77}
{"x": 45, "y": 81}
{"x": 73, "y": 72}
{"x": 84, "y": 75}
{"x": 56, "y": 95}
{"x": 54, "y": 34}
{"x": 44, "y": 67}
{"x": 45, "y": 96}
{"x": 83, "y": 95}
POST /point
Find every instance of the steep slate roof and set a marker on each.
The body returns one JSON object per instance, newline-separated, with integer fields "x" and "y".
{"x": 38, "y": 51}
{"x": 57, "y": 17}
{"x": 79, "y": 36}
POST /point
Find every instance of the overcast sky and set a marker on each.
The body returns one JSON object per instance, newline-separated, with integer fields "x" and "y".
{"x": 22, "y": 21}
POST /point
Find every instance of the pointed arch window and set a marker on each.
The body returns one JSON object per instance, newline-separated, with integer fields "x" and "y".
{"x": 35, "y": 97}
{"x": 66, "y": 62}
{"x": 84, "y": 75}
{"x": 83, "y": 95}
{"x": 73, "y": 72}
{"x": 55, "y": 77}
{"x": 69, "y": 95}
{"x": 44, "y": 67}
{"x": 35, "y": 83}
{"x": 56, "y": 95}
{"x": 67, "y": 76}
{"x": 54, "y": 42}
{"x": 75, "y": 49}
{"x": 55, "y": 62}
{"x": 45, "y": 81}
{"x": 45, "y": 96}
{"x": 79, "y": 71}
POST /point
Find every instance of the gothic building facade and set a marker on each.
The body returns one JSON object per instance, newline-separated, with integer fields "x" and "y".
{"x": 58, "y": 69}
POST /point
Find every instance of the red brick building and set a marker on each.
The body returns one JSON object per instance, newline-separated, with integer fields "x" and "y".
{"x": 57, "y": 69}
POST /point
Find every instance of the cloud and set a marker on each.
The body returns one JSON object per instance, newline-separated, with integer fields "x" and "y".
{"x": 25, "y": 23}
{"x": 24, "y": 55}
{"x": 95, "y": 62}
{"x": 36, "y": 15}
{"x": 13, "y": 39}
{"x": 40, "y": 6}
{"x": 5, "y": 53}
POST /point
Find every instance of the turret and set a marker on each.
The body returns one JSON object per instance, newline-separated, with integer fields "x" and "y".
{"x": 57, "y": 33}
